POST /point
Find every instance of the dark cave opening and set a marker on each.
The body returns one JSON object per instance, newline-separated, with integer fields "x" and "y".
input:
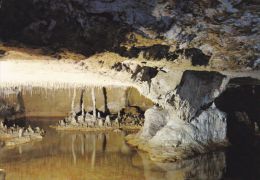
{"x": 241, "y": 102}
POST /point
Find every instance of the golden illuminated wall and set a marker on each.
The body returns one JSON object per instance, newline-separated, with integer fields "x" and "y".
{"x": 46, "y": 102}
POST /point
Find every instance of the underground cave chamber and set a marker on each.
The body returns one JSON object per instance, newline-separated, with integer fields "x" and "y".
{"x": 129, "y": 90}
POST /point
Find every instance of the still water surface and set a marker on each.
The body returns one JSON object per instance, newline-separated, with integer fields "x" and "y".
{"x": 105, "y": 156}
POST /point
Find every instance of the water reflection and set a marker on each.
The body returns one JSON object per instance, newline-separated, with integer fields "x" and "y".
{"x": 79, "y": 156}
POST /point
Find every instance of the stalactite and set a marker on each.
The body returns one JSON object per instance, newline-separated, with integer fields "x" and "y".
{"x": 73, "y": 100}
{"x": 94, "y": 103}
{"x": 82, "y": 102}
{"x": 105, "y": 101}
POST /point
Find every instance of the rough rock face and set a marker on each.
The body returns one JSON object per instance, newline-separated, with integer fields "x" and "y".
{"x": 192, "y": 112}
{"x": 154, "y": 120}
{"x": 220, "y": 34}
{"x": 196, "y": 91}
{"x": 209, "y": 126}
{"x": 190, "y": 120}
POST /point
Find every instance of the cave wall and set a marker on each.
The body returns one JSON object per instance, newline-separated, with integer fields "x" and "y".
{"x": 40, "y": 102}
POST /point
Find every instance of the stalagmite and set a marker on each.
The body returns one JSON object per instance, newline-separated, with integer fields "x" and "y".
{"x": 116, "y": 121}
{"x": 118, "y": 115}
{"x": 107, "y": 121}
{"x": 100, "y": 122}
{"x": 73, "y": 120}
{"x": 20, "y": 133}
{"x": 94, "y": 103}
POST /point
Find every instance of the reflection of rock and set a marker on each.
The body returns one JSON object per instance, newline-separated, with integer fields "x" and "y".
{"x": 208, "y": 166}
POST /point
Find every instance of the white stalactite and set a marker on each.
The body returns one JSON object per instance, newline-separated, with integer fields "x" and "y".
{"x": 82, "y": 108}
{"x": 94, "y": 103}
{"x": 73, "y": 100}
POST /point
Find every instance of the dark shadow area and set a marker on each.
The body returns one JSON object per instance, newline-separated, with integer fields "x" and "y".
{"x": 242, "y": 164}
{"x": 197, "y": 57}
{"x": 241, "y": 102}
{"x": 158, "y": 52}
{"x": 90, "y": 27}
{"x": 41, "y": 24}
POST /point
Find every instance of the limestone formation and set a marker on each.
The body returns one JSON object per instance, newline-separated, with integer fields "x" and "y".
{"x": 132, "y": 117}
{"x": 15, "y": 135}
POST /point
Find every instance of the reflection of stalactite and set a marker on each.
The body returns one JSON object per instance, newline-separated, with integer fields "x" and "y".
{"x": 105, "y": 101}
{"x": 73, "y": 149}
{"x": 82, "y": 144}
{"x": 104, "y": 143}
{"x": 20, "y": 150}
{"x": 94, "y": 103}
{"x": 93, "y": 158}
